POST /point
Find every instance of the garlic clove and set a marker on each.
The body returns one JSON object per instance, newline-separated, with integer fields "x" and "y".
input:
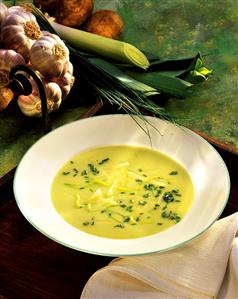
{"x": 3, "y": 12}
{"x": 16, "y": 9}
{"x": 8, "y": 59}
{"x": 49, "y": 54}
{"x": 65, "y": 80}
{"x": 19, "y": 31}
{"x": 31, "y": 105}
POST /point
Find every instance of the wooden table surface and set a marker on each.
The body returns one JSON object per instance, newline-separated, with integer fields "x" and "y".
{"x": 35, "y": 267}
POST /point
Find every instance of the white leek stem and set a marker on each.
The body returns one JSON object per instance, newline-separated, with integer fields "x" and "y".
{"x": 110, "y": 48}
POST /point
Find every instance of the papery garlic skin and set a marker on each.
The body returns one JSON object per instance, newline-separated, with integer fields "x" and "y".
{"x": 65, "y": 80}
{"x": 31, "y": 105}
{"x": 16, "y": 9}
{"x": 49, "y": 55}
{"x": 3, "y": 12}
{"x": 19, "y": 31}
{"x": 8, "y": 59}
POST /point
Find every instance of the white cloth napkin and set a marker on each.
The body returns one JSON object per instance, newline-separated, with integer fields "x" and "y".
{"x": 206, "y": 267}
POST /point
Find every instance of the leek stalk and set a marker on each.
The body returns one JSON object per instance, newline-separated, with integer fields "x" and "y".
{"x": 119, "y": 82}
{"x": 100, "y": 45}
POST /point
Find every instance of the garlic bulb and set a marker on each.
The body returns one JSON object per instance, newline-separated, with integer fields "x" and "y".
{"x": 31, "y": 105}
{"x": 8, "y": 59}
{"x": 65, "y": 80}
{"x": 49, "y": 55}
{"x": 3, "y": 12}
{"x": 19, "y": 31}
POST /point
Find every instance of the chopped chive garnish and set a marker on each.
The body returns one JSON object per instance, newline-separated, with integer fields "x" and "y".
{"x": 176, "y": 192}
{"x": 66, "y": 172}
{"x": 119, "y": 225}
{"x": 103, "y": 161}
{"x": 146, "y": 195}
{"x": 72, "y": 185}
{"x": 129, "y": 208}
{"x": 149, "y": 187}
{"x": 142, "y": 202}
{"x": 174, "y": 172}
{"x": 93, "y": 169}
{"x": 156, "y": 206}
{"x": 168, "y": 197}
{"x": 171, "y": 216}
{"x": 84, "y": 172}
{"x": 75, "y": 171}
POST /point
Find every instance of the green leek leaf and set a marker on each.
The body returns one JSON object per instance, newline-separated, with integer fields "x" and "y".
{"x": 169, "y": 85}
{"x": 196, "y": 72}
{"x": 122, "y": 76}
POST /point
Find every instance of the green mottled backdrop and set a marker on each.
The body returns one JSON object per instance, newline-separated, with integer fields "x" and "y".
{"x": 181, "y": 28}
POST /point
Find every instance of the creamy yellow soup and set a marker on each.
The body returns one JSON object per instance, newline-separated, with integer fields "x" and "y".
{"x": 122, "y": 192}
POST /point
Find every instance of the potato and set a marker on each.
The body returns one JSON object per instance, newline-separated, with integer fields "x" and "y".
{"x": 107, "y": 23}
{"x": 73, "y": 13}
{"x": 49, "y": 6}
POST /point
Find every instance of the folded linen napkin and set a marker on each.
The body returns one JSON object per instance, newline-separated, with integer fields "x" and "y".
{"x": 206, "y": 267}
